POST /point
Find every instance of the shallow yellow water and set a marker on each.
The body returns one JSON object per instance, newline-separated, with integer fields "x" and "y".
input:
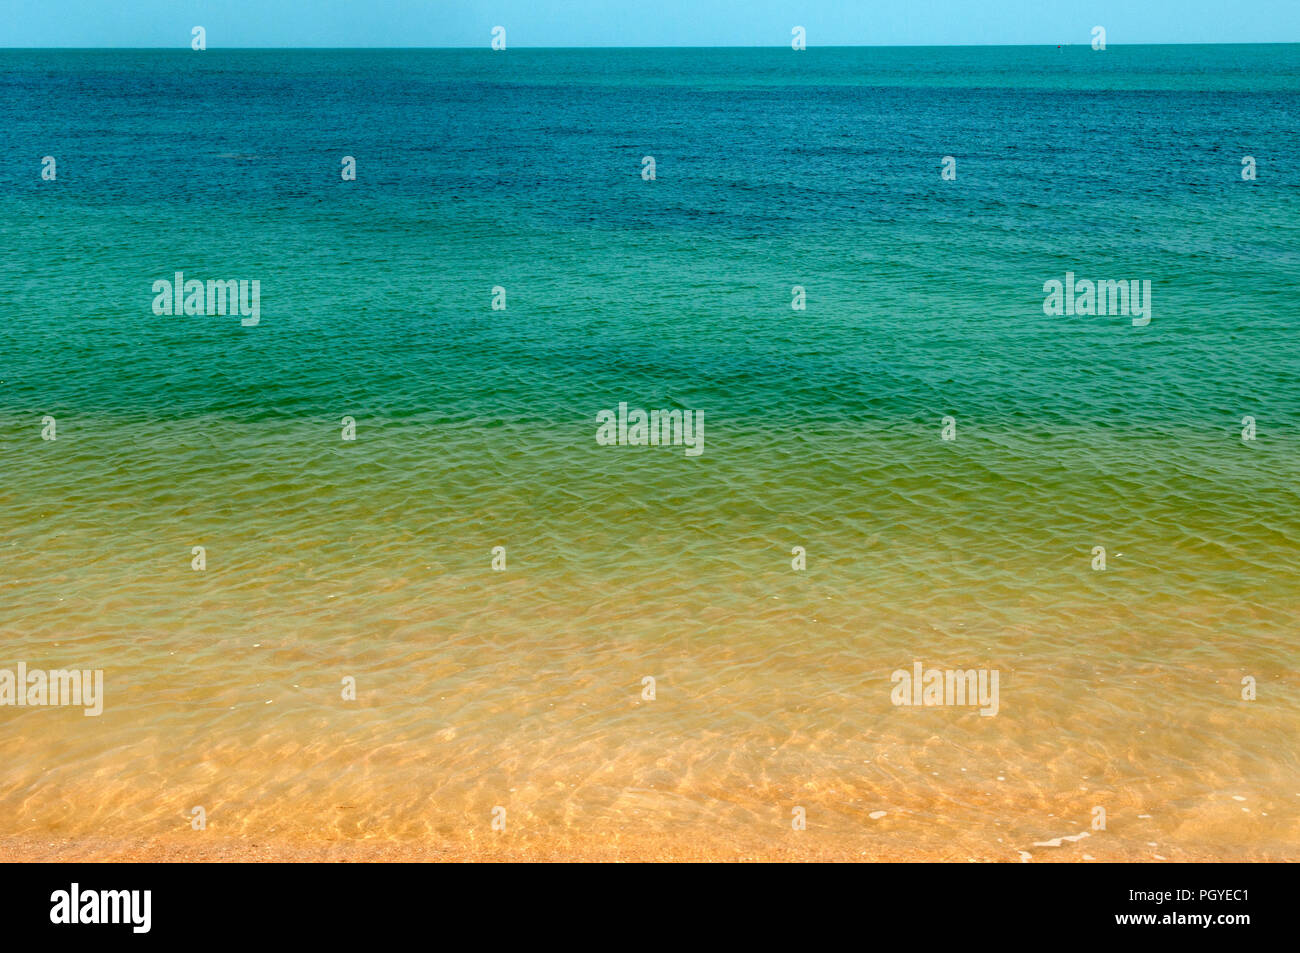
{"x": 522, "y": 689}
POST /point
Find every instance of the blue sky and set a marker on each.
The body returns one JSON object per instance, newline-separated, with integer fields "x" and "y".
{"x": 293, "y": 23}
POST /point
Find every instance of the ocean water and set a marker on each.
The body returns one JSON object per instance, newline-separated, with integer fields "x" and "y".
{"x": 475, "y": 428}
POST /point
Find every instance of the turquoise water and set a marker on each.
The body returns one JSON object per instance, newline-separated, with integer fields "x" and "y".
{"x": 476, "y": 428}
{"x": 773, "y": 170}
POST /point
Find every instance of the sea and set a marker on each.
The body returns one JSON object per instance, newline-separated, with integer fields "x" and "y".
{"x": 359, "y": 564}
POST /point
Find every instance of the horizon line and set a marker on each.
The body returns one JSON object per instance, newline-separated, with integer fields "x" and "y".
{"x": 835, "y": 46}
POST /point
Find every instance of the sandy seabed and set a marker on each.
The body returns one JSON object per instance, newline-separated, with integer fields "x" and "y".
{"x": 648, "y": 849}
